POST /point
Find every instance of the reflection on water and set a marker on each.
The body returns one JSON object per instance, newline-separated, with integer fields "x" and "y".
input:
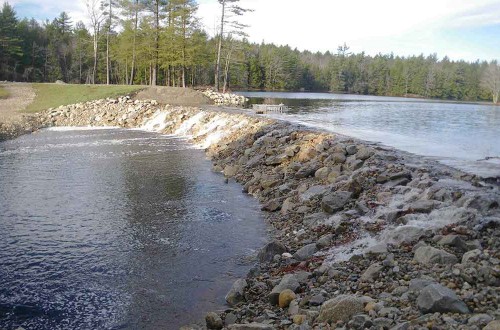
{"x": 116, "y": 229}
{"x": 458, "y": 134}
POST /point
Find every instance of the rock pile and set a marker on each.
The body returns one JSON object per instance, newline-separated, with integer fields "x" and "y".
{"x": 366, "y": 237}
{"x": 225, "y": 98}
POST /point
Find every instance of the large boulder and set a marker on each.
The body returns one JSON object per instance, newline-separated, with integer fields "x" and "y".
{"x": 429, "y": 255}
{"x": 340, "y": 308}
{"x": 289, "y": 282}
{"x": 436, "y": 298}
{"x": 335, "y": 201}
{"x": 270, "y": 250}
{"x": 236, "y": 294}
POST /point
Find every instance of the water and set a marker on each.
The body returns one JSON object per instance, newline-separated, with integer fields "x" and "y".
{"x": 457, "y": 134}
{"x": 117, "y": 229}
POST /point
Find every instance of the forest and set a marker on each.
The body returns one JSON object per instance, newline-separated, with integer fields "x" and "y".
{"x": 159, "y": 42}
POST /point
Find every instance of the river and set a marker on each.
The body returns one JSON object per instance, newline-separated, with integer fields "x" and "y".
{"x": 117, "y": 229}
{"x": 458, "y": 134}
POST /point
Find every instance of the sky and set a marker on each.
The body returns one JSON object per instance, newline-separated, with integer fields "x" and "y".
{"x": 459, "y": 29}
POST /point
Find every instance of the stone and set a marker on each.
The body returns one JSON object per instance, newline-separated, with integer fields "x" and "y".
{"x": 493, "y": 325}
{"x": 316, "y": 300}
{"x": 213, "y": 321}
{"x": 470, "y": 256}
{"x": 454, "y": 241}
{"x": 306, "y": 252}
{"x": 285, "y": 298}
{"x": 380, "y": 248}
{"x": 293, "y": 308}
{"x": 351, "y": 149}
{"x": 236, "y": 294}
{"x": 313, "y": 192}
{"x": 423, "y": 206}
{"x": 480, "y": 319}
{"x": 230, "y": 171}
{"x": 436, "y": 298}
{"x": 272, "y": 206}
{"x": 306, "y": 154}
{"x": 335, "y": 201}
{"x": 338, "y": 158}
{"x": 270, "y": 250}
{"x": 299, "y": 319}
{"x": 429, "y": 255}
{"x": 230, "y": 318}
{"x": 372, "y": 272}
{"x": 364, "y": 153}
{"x": 324, "y": 241}
{"x": 251, "y": 326}
{"x": 340, "y": 308}
{"x": 288, "y": 281}
{"x": 418, "y": 284}
{"x": 322, "y": 173}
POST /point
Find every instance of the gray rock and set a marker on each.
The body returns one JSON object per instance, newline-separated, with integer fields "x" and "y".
{"x": 213, "y": 321}
{"x": 372, "y": 272}
{"x": 324, "y": 241}
{"x": 360, "y": 322}
{"x": 402, "y": 326}
{"x": 351, "y": 149}
{"x": 230, "y": 318}
{"x": 365, "y": 153}
{"x": 436, "y": 298}
{"x": 480, "y": 319}
{"x": 313, "y": 192}
{"x": 288, "y": 281}
{"x": 316, "y": 300}
{"x": 236, "y": 294}
{"x": 338, "y": 158}
{"x": 340, "y": 308}
{"x": 270, "y": 250}
{"x": 418, "y": 284}
{"x": 335, "y": 201}
{"x": 306, "y": 252}
{"x": 470, "y": 256}
{"x": 429, "y": 255}
{"x": 322, "y": 173}
{"x": 382, "y": 322}
{"x": 454, "y": 241}
{"x": 376, "y": 249}
{"x": 251, "y": 326}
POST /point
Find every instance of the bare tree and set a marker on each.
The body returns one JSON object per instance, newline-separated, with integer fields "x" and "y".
{"x": 96, "y": 17}
{"x": 491, "y": 80}
{"x": 229, "y": 10}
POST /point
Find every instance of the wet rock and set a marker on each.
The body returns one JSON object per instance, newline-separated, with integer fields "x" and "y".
{"x": 214, "y": 321}
{"x": 364, "y": 153}
{"x": 230, "y": 318}
{"x": 423, "y": 206}
{"x": 306, "y": 252}
{"x": 236, "y": 294}
{"x": 429, "y": 255}
{"x": 341, "y": 308}
{"x": 436, "y": 298}
{"x": 287, "y": 282}
{"x": 270, "y": 250}
{"x": 335, "y": 201}
{"x": 272, "y": 206}
{"x": 351, "y": 149}
{"x": 285, "y": 298}
{"x": 316, "y": 300}
{"x": 376, "y": 249}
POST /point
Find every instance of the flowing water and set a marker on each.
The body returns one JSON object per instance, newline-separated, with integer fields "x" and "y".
{"x": 117, "y": 229}
{"x": 457, "y": 134}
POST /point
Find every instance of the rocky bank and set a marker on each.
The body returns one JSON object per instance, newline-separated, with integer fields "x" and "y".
{"x": 366, "y": 237}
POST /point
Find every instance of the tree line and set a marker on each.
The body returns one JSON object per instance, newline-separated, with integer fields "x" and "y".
{"x": 160, "y": 42}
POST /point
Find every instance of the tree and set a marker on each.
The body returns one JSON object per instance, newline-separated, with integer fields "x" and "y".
{"x": 96, "y": 17}
{"x": 10, "y": 42}
{"x": 491, "y": 80}
{"x": 131, "y": 10}
{"x": 108, "y": 5}
{"x": 229, "y": 10}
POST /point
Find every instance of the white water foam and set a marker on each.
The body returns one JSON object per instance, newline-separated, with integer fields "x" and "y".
{"x": 79, "y": 128}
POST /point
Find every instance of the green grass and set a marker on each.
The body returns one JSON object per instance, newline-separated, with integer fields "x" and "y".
{"x": 3, "y": 93}
{"x": 54, "y": 95}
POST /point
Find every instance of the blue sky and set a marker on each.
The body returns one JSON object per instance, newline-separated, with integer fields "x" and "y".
{"x": 461, "y": 29}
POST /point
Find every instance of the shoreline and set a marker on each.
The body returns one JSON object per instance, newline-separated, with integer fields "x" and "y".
{"x": 325, "y": 195}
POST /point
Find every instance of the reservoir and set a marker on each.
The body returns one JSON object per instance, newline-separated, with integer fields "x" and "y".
{"x": 117, "y": 229}
{"x": 465, "y": 136}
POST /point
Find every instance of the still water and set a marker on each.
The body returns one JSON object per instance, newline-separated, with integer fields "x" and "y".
{"x": 117, "y": 229}
{"x": 457, "y": 134}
